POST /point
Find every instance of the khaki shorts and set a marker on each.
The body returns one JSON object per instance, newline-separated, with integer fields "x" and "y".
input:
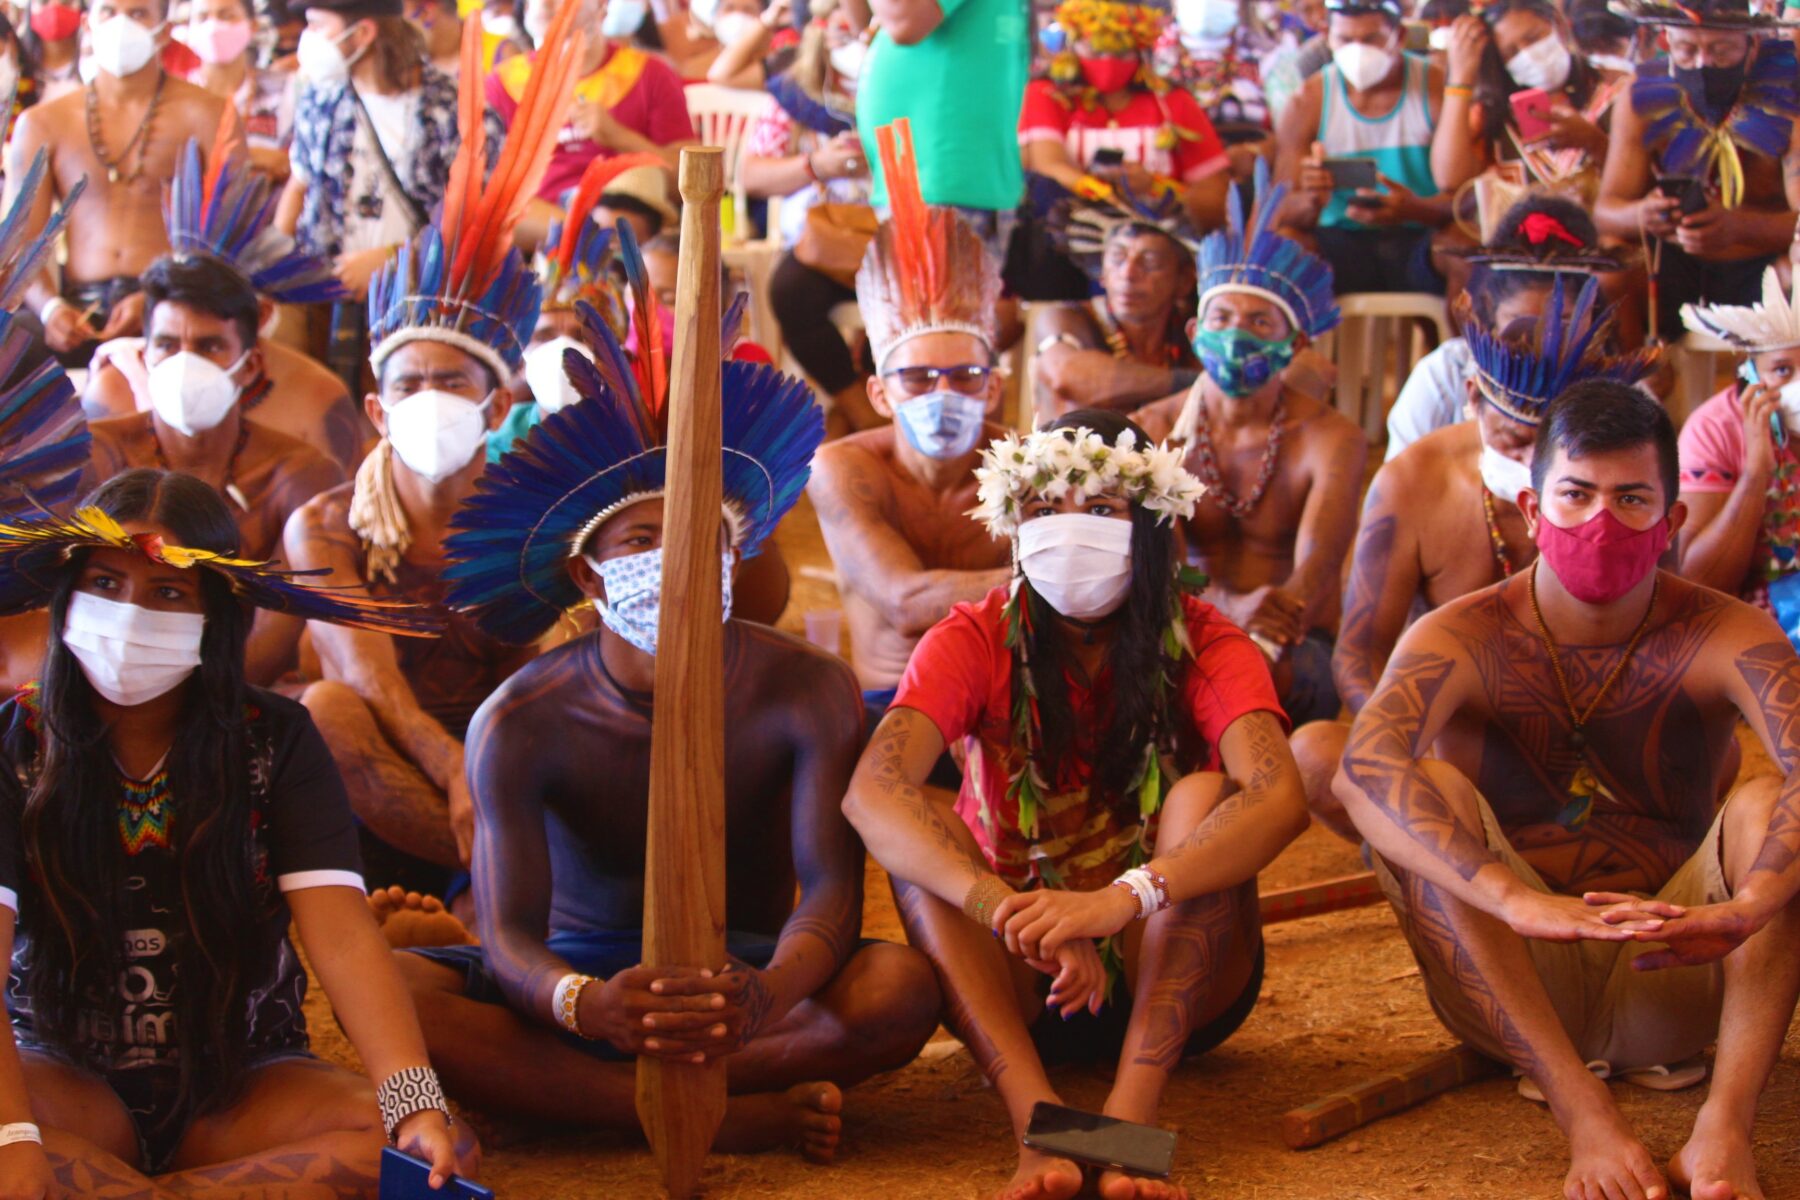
{"x": 1612, "y": 1013}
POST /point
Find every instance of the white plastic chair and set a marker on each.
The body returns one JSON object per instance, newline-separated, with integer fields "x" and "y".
{"x": 1379, "y": 327}
{"x": 722, "y": 117}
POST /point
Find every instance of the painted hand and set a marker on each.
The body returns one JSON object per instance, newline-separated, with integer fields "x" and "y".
{"x": 1037, "y": 924}
{"x": 24, "y": 1172}
{"x": 1699, "y": 935}
{"x": 1608, "y": 918}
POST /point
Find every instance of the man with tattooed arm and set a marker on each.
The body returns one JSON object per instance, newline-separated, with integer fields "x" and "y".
{"x": 1536, "y": 776}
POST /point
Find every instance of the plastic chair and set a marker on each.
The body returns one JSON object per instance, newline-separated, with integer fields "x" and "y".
{"x": 722, "y": 117}
{"x": 1379, "y": 327}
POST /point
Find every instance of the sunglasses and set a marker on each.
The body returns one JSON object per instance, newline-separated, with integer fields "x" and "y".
{"x": 969, "y": 379}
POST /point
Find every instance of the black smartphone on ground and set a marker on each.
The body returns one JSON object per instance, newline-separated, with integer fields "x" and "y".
{"x": 1101, "y": 1141}
{"x": 1109, "y": 156}
{"x": 1685, "y": 189}
{"x": 1349, "y": 174}
{"x": 404, "y": 1177}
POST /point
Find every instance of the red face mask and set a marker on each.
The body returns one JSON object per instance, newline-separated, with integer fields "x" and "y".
{"x": 1110, "y": 74}
{"x": 55, "y": 22}
{"x": 1602, "y": 558}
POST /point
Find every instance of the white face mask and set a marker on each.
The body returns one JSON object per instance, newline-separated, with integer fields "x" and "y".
{"x": 733, "y": 27}
{"x": 437, "y": 434}
{"x": 704, "y": 11}
{"x": 1208, "y": 20}
{"x": 1504, "y": 477}
{"x": 500, "y": 24}
{"x": 847, "y": 60}
{"x": 623, "y": 18}
{"x": 87, "y": 68}
{"x": 1438, "y": 39}
{"x": 121, "y": 46}
{"x": 1079, "y": 563}
{"x": 545, "y": 376}
{"x": 1363, "y": 66}
{"x": 1543, "y": 64}
{"x": 321, "y": 57}
{"x": 1789, "y": 400}
{"x": 193, "y": 394}
{"x": 131, "y": 655}
{"x": 633, "y": 601}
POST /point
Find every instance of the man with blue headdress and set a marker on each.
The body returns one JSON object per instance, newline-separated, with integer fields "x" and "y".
{"x": 545, "y": 1017}
{"x": 1282, "y": 470}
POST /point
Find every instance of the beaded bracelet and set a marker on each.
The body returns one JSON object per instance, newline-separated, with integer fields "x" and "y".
{"x": 407, "y": 1091}
{"x": 566, "y": 1000}
{"x": 982, "y": 898}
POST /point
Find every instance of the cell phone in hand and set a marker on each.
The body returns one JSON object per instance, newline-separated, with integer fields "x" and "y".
{"x": 404, "y": 1177}
{"x": 1531, "y": 112}
{"x": 1349, "y": 174}
{"x": 1101, "y": 1141}
{"x": 1686, "y": 189}
{"x": 1109, "y": 156}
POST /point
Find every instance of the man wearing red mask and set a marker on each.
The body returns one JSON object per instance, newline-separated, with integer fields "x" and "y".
{"x": 1538, "y": 777}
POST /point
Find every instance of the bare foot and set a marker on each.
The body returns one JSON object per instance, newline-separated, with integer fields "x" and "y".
{"x": 1041, "y": 1177}
{"x": 1716, "y": 1164}
{"x": 1116, "y": 1186}
{"x": 1606, "y": 1160}
{"x": 409, "y": 919}
{"x": 806, "y": 1116}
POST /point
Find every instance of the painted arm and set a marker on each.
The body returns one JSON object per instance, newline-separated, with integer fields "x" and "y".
{"x": 1093, "y": 377}
{"x": 1767, "y": 691}
{"x": 1384, "y": 579}
{"x": 872, "y": 559}
{"x": 911, "y": 833}
{"x": 1328, "y": 521}
{"x": 908, "y": 22}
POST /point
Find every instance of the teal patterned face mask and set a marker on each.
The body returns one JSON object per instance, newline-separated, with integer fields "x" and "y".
{"x": 1241, "y": 362}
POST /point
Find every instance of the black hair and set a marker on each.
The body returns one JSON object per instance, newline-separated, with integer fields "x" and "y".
{"x": 619, "y": 202}
{"x": 1597, "y": 416}
{"x": 1595, "y": 24}
{"x": 70, "y": 830}
{"x": 1390, "y": 15}
{"x": 1494, "y": 85}
{"x": 1141, "y": 670}
{"x": 1489, "y": 287}
{"x": 207, "y": 285}
{"x": 1443, "y": 10}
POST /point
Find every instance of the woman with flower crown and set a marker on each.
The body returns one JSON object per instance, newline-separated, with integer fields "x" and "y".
{"x": 1127, "y": 774}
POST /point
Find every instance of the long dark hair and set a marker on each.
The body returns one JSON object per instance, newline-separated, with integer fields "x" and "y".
{"x": 1494, "y": 85}
{"x": 1138, "y": 660}
{"x": 76, "y": 951}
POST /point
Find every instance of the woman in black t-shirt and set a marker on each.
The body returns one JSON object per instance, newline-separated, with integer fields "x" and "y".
{"x": 160, "y": 824}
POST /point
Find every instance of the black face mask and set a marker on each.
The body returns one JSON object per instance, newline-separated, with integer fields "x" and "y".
{"x": 1712, "y": 90}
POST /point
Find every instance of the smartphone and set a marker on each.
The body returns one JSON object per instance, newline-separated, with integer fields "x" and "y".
{"x": 1418, "y": 36}
{"x": 1531, "y": 112}
{"x": 404, "y": 1177}
{"x": 1349, "y": 174}
{"x": 1685, "y": 189}
{"x": 1109, "y": 156}
{"x": 1101, "y": 1141}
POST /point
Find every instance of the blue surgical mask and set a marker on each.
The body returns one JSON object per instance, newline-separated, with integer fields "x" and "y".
{"x": 1240, "y": 362}
{"x": 624, "y": 18}
{"x": 942, "y": 424}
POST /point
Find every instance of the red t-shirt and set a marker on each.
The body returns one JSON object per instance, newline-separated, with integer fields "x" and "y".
{"x": 650, "y": 102}
{"x": 960, "y": 676}
{"x": 1134, "y": 130}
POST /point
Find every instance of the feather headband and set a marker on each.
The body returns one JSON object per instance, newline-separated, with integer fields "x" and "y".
{"x": 461, "y": 281}
{"x": 35, "y": 552}
{"x": 1055, "y": 462}
{"x": 1521, "y": 374}
{"x": 538, "y": 506}
{"x": 1249, "y": 256}
{"x": 925, "y": 271}
{"x": 1753, "y": 328}
{"x": 577, "y": 262}
{"x": 1085, "y": 228}
{"x": 227, "y": 213}
{"x": 1111, "y": 27}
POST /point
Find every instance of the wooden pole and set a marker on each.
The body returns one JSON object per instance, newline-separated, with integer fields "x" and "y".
{"x": 682, "y": 1104}
{"x": 1331, "y": 895}
{"x": 1340, "y": 1112}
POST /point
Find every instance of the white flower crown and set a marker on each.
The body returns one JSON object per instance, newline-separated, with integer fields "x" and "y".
{"x": 1053, "y": 462}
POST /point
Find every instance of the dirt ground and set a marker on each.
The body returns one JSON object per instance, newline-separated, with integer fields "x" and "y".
{"x": 1341, "y": 1003}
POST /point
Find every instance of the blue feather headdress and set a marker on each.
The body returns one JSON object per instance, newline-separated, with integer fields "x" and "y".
{"x": 1521, "y": 369}
{"x": 227, "y": 213}
{"x": 539, "y": 505}
{"x": 1761, "y": 122}
{"x": 809, "y": 113}
{"x": 1085, "y": 226}
{"x": 1249, "y": 256}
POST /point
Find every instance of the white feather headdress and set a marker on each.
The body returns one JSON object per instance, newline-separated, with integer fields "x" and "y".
{"x": 1754, "y": 328}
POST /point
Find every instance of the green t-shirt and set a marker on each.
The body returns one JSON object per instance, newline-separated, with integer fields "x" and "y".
{"x": 520, "y": 419}
{"x": 962, "y": 86}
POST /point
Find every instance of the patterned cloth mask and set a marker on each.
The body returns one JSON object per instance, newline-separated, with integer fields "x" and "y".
{"x": 1241, "y": 362}
{"x": 634, "y": 595}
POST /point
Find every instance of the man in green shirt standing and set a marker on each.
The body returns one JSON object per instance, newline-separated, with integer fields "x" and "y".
{"x": 957, "y": 69}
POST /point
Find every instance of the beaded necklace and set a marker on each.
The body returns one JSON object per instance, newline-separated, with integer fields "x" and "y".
{"x": 1501, "y": 557}
{"x": 138, "y": 142}
{"x": 1206, "y": 465}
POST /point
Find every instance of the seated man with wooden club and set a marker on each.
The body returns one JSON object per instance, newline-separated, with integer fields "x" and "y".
{"x": 544, "y": 1018}
{"x": 1537, "y": 776}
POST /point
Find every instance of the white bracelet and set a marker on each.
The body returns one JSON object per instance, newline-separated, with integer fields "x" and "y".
{"x": 565, "y": 1001}
{"x": 1151, "y": 890}
{"x": 20, "y": 1131}
{"x": 50, "y": 306}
